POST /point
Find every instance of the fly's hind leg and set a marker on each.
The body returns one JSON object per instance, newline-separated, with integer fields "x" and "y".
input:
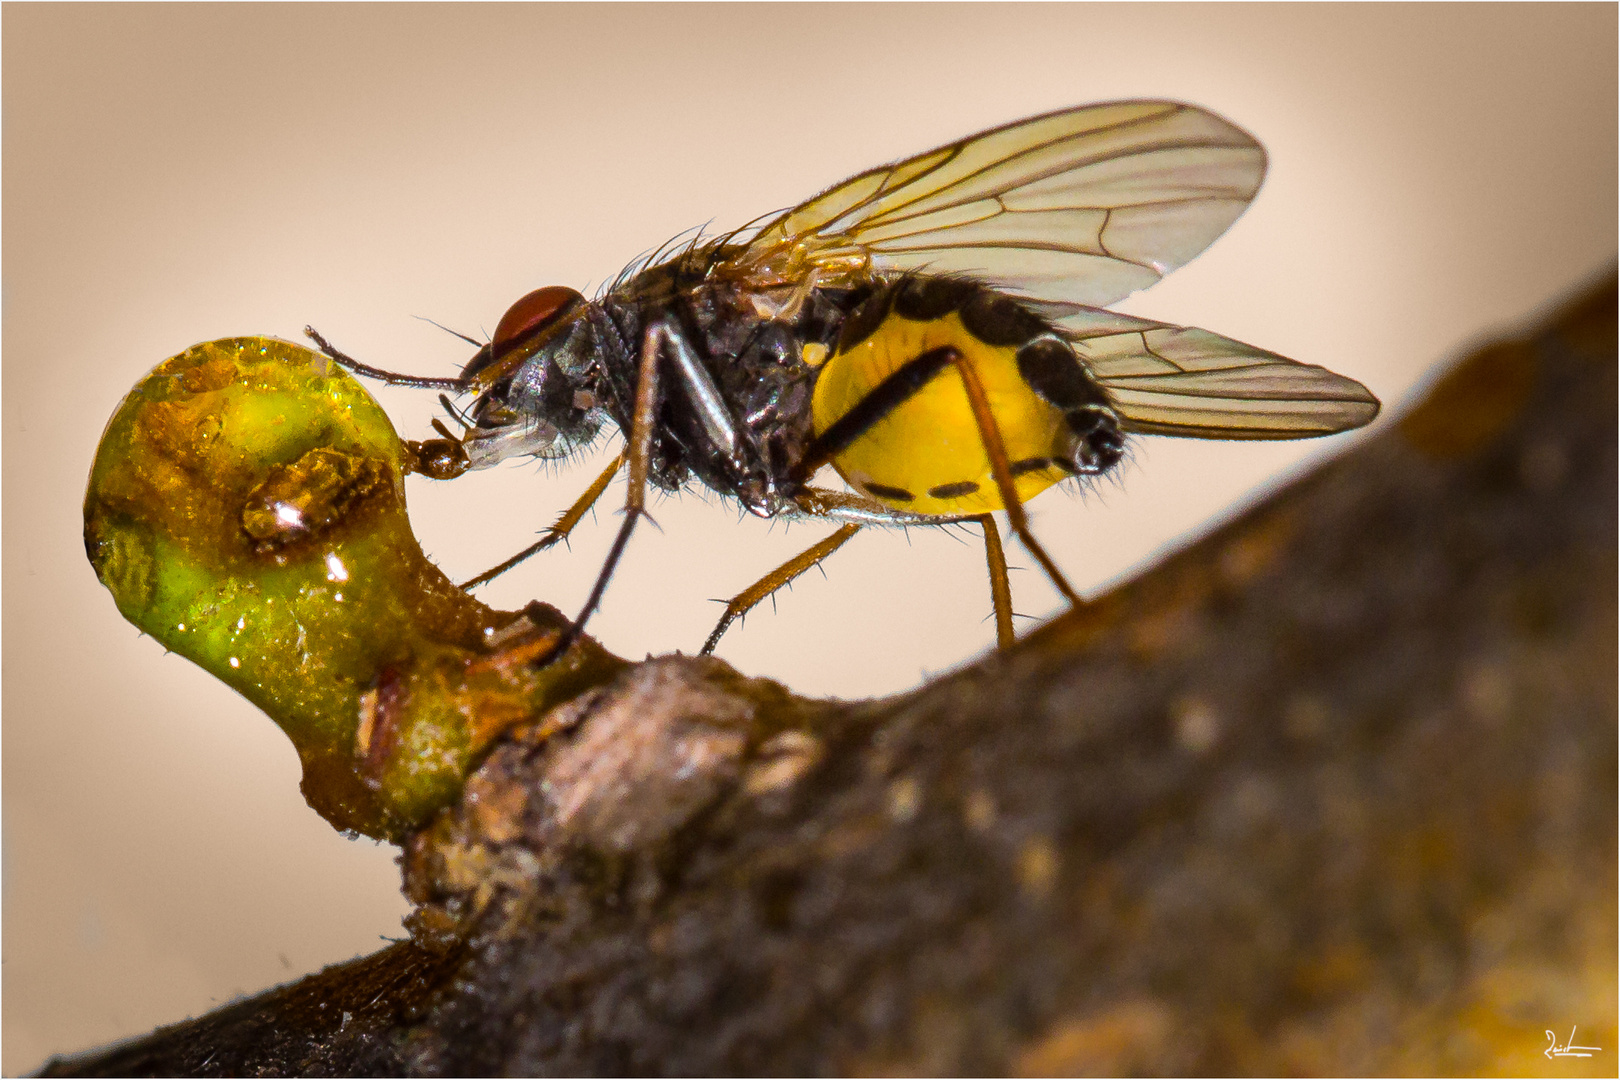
{"x": 857, "y": 511}
{"x": 782, "y": 575}
{"x": 1000, "y": 589}
{"x": 897, "y": 388}
{"x": 1017, "y": 520}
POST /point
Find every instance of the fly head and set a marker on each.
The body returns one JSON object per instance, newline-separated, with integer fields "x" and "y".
{"x": 536, "y": 380}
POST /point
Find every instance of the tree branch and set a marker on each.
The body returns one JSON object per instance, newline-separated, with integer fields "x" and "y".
{"x": 1331, "y": 790}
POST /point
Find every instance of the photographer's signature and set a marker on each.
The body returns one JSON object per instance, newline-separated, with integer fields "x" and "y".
{"x": 1569, "y": 1049}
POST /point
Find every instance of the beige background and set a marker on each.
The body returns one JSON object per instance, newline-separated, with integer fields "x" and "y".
{"x": 177, "y": 174}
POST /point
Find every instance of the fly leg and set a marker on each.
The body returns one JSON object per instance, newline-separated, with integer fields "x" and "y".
{"x": 842, "y": 506}
{"x": 782, "y": 575}
{"x": 990, "y": 435}
{"x": 1000, "y": 589}
{"x": 638, "y": 453}
{"x": 893, "y": 392}
{"x": 392, "y": 378}
{"x": 857, "y": 511}
{"x": 559, "y": 529}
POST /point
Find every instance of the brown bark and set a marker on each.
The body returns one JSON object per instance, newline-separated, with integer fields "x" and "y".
{"x": 1331, "y": 791}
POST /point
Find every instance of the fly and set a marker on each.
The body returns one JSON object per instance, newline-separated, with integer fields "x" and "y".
{"x": 934, "y": 330}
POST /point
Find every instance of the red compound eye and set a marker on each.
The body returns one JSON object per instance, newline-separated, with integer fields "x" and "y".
{"x": 525, "y": 319}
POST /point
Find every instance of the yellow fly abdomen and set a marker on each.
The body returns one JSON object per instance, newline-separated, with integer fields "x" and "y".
{"x": 927, "y": 456}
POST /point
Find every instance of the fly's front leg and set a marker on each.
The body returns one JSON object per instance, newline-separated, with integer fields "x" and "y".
{"x": 454, "y": 384}
{"x": 437, "y": 459}
{"x": 638, "y": 454}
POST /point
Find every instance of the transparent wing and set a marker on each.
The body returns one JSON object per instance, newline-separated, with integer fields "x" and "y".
{"x": 1087, "y": 205}
{"x": 1177, "y": 380}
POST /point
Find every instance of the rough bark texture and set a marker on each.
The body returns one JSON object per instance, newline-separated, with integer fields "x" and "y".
{"x": 1331, "y": 791}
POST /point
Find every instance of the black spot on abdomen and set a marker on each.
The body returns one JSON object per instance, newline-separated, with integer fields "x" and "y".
{"x": 953, "y": 491}
{"x": 884, "y": 491}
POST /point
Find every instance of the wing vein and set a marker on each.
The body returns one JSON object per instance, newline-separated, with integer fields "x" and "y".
{"x": 1025, "y": 204}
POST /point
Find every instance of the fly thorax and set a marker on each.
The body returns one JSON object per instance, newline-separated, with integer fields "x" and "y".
{"x": 769, "y": 386}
